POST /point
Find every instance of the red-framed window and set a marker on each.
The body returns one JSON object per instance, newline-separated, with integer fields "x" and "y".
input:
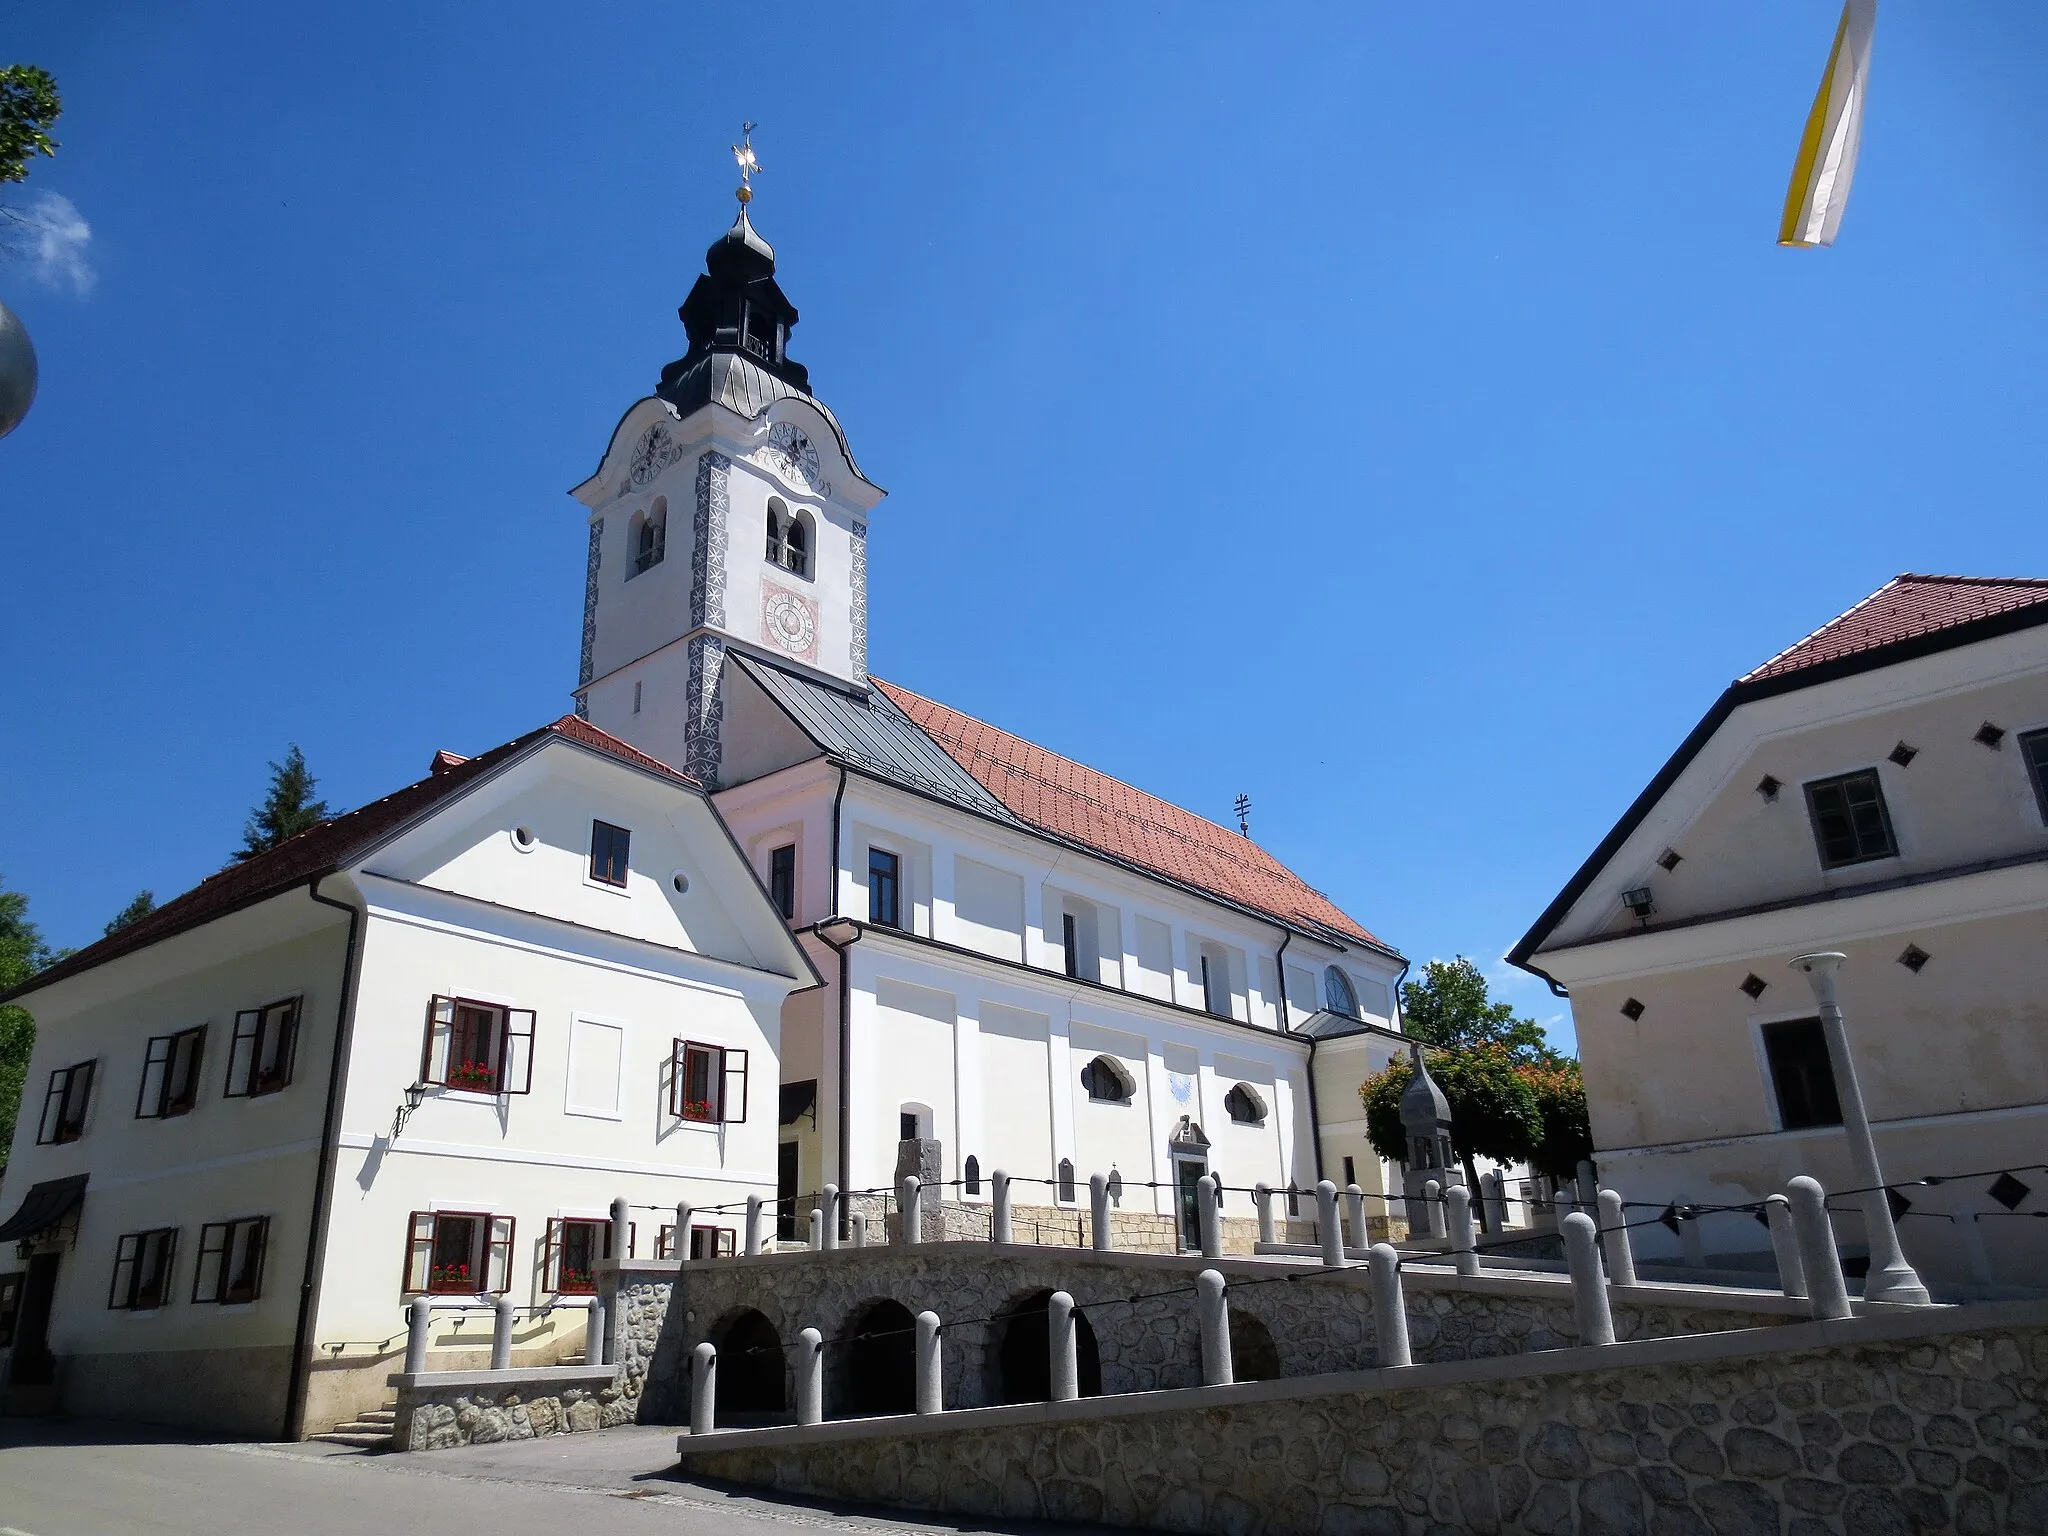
{"x": 265, "y": 1043}
{"x": 142, "y": 1270}
{"x": 707, "y": 1083}
{"x": 230, "y": 1268}
{"x": 477, "y": 1047}
{"x": 705, "y": 1242}
{"x": 575, "y": 1244}
{"x": 10, "y": 1308}
{"x": 65, "y": 1102}
{"x": 458, "y": 1253}
{"x": 170, "y": 1075}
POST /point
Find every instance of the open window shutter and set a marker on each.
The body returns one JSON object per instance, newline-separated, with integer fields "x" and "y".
{"x": 551, "y": 1256}
{"x": 518, "y": 1074}
{"x": 734, "y": 1078}
{"x": 675, "y": 1079}
{"x": 727, "y": 1242}
{"x": 242, "y": 1052}
{"x": 419, "y": 1250}
{"x": 664, "y": 1243}
{"x": 285, "y": 1023}
{"x": 156, "y": 1067}
{"x": 498, "y": 1256}
{"x": 213, "y": 1260}
{"x": 440, "y": 1032}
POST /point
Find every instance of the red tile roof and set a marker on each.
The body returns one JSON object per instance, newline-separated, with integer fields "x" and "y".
{"x": 1902, "y": 609}
{"x": 1075, "y": 802}
{"x": 326, "y": 845}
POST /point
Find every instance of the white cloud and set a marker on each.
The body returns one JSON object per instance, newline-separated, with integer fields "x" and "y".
{"x": 50, "y": 234}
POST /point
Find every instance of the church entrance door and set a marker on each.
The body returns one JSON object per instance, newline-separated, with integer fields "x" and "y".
{"x": 1187, "y": 1172}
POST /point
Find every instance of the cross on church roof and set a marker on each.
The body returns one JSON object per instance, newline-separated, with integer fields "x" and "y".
{"x": 743, "y": 155}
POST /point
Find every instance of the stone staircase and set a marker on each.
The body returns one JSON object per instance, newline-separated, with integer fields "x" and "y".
{"x": 372, "y": 1432}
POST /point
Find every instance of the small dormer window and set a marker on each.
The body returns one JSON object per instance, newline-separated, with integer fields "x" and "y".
{"x": 789, "y": 538}
{"x": 764, "y": 332}
{"x": 1338, "y": 995}
{"x": 650, "y": 536}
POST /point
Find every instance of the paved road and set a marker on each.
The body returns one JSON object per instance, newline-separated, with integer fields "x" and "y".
{"x": 73, "y": 1479}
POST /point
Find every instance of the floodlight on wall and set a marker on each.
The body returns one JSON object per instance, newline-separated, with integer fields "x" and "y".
{"x": 1640, "y": 903}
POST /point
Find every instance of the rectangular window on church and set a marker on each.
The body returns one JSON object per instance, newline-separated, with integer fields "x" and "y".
{"x": 885, "y": 888}
{"x": 1802, "y": 1074}
{"x": 1850, "y": 822}
{"x": 782, "y": 879}
{"x": 609, "y": 846}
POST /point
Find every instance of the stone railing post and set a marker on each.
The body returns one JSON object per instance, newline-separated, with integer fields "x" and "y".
{"x": 622, "y": 1231}
{"x": 1389, "y": 1309}
{"x": 1495, "y": 1192}
{"x": 1354, "y": 1217}
{"x": 1211, "y": 1226}
{"x": 1098, "y": 1212}
{"x": 1460, "y": 1222}
{"x": 999, "y": 1209}
{"x": 1328, "y": 1232}
{"x": 501, "y": 1334}
{"x": 1433, "y": 1208}
{"x": 1589, "y": 1186}
{"x": 831, "y": 1214}
{"x": 858, "y": 1221}
{"x": 593, "y": 1333}
{"x": 684, "y": 1211}
{"x": 817, "y": 1230}
{"x": 1785, "y": 1245}
{"x": 1262, "y": 1202}
{"x": 419, "y": 1331}
{"x": 810, "y": 1377}
{"x": 703, "y": 1387}
{"x": 753, "y": 1224}
{"x": 930, "y": 1392}
{"x": 1621, "y": 1254}
{"x": 1589, "y": 1285}
{"x": 1827, "y": 1292}
{"x": 1212, "y": 1313}
{"x": 1059, "y": 1333}
{"x": 910, "y": 1207}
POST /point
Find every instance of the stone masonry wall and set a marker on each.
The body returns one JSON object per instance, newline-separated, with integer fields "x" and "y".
{"x": 1944, "y": 1433}
{"x": 433, "y": 1418}
{"x": 1318, "y": 1321}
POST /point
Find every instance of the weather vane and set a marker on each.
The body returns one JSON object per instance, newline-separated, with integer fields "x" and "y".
{"x": 743, "y": 153}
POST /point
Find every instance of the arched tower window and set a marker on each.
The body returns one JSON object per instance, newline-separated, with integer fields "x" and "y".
{"x": 1244, "y": 1105}
{"x": 789, "y": 538}
{"x": 650, "y": 536}
{"x": 1337, "y": 994}
{"x": 778, "y": 521}
{"x": 1107, "y": 1082}
{"x": 798, "y": 542}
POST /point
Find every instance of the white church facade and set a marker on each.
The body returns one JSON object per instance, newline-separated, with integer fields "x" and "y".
{"x": 741, "y": 926}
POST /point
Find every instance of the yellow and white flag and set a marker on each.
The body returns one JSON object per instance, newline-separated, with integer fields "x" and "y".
{"x": 1834, "y": 131}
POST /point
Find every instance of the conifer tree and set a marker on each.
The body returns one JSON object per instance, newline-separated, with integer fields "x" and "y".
{"x": 287, "y": 810}
{"x": 143, "y": 904}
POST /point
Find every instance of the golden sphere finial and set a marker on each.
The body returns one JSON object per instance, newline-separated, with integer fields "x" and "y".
{"x": 744, "y": 193}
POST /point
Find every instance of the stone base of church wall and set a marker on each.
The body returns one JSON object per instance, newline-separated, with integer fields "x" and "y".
{"x": 235, "y": 1392}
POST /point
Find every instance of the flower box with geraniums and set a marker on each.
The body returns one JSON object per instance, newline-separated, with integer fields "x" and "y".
{"x": 698, "y": 1109}
{"x": 473, "y": 1077}
{"x": 449, "y": 1277}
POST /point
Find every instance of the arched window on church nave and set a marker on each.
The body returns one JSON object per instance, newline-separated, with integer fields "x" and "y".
{"x": 1107, "y": 1082}
{"x": 650, "y": 536}
{"x": 1066, "y": 1184}
{"x": 789, "y": 538}
{"x": 970, "y": 1176}
{"x": 1337, "y": 994}
{"x": 1244, "y": 1106}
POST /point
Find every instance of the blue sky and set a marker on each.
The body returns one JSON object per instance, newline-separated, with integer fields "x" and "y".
{"x": 1398, "y": 414}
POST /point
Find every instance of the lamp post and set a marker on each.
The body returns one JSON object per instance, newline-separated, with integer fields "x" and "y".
{"x": 1890, "y": 1278}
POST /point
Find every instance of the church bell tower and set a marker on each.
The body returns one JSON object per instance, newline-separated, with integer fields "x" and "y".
{"x": 727, "y": 514}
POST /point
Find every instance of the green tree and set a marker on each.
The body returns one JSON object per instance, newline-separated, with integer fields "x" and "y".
{"x": 28, "y": 107}
{"x": 1567, "y": 1135}
{"x": 22, "y": 954}
{"x": 287, "y": 810}
{"x": 1448, "y": 1005}
{"x": 1495, "y": 1112}
{"x": 143, "y": 904}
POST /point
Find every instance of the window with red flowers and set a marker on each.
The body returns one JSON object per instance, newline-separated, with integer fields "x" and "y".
{"x": 574, "y": 1246}
{"x": 477, "y": 1047}
{"x": 458, "y": 1253}
{"x": 705, "y": 1243}
{"x": 707, "y": 1083}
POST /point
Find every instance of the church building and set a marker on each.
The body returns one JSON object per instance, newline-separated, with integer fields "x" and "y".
{"x": 1040, "y": 968}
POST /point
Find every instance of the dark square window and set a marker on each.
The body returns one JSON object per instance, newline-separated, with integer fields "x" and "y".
{"x": 1801, "y": 1074}
{"x": 1850, "y": 823}
{"x": 142, "y": 1270}
{"x": 906, "y": 1125}
{"x": 65, "y": 1102}
{"x": 609, "y": 846}
{"x": 2034, "y": 753}
{"x": 230, "y": 1269}
{"x": 261, "y": 1050}
{"x": 170, "y": 1075}
{"x": 782, "y": 879}
{"x": 885, "y": 888}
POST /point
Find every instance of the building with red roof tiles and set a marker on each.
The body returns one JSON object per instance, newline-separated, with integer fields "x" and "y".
{"x": 1877, "y": 790}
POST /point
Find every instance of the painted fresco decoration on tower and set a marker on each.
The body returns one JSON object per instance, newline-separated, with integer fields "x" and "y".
{"x": 790, "y": 453}
{"x": 857, "y": 605}
{"x": 789, "y": 621}
{"x": 1182, "y": 1086}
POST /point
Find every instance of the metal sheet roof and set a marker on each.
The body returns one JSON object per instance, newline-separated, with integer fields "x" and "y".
{"x": 44, "y": 1206}
{"x": 870, "y": 733}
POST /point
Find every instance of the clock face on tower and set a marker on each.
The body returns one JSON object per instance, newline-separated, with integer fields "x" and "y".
{"x": 651, "y": 455}
{"x": 793, "y": 453}
{"x": 789, "y": 621}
